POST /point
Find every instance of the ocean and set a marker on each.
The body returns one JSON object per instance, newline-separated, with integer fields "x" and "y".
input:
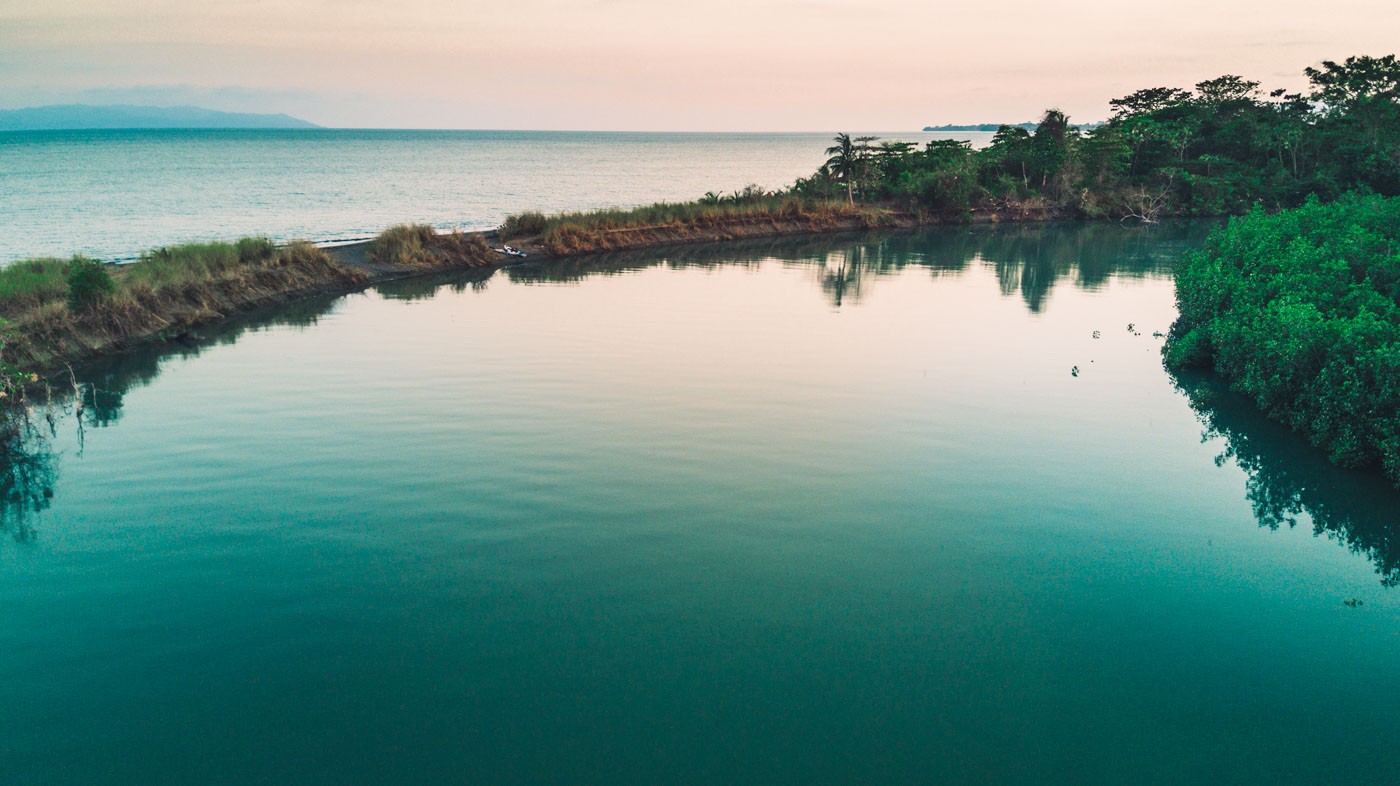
{"x": 113, "y": 194}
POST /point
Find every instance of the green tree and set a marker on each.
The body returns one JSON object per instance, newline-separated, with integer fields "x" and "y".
{"x": 1010, "y": 152}
{"x": 1050, "y": 151}
{"x": 1360, "y": 100}
{"x": 1228, "y": 89}
{"x": 849, "y": 161}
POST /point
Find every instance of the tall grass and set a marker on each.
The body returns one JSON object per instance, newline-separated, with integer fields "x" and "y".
{"x": 32, "y": 283}
{"x": 60, "y": 311}
{"x": 193, "y": 263}
{"x": 524, "y": 225}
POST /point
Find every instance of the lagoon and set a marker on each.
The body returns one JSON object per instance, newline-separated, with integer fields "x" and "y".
{"x": 916, "y": 507}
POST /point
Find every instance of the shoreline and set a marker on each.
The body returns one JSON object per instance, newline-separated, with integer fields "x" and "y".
{"x": 62, "y": 346}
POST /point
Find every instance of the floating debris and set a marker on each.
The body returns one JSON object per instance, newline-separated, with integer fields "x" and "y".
{"x": 1352, "y": 603}
{"x": 1074, "y": 372}
{"x": 1096, "y": 334}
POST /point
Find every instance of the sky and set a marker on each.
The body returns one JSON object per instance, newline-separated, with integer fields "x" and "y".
{"x": 706, "y": 65}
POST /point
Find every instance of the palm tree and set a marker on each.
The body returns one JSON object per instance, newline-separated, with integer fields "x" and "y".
{"x": 844, "y": 162}
{"x": 848, "y": 160}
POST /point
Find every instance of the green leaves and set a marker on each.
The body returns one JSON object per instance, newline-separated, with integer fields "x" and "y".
{"x": 88, "y": 284}
{"x": 1298, "y": 310}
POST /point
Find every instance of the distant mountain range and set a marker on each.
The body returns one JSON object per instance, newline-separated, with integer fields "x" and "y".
{"x": 87, "y": 116}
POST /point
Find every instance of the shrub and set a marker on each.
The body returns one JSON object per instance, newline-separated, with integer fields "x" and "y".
{"x": 1300, "y": 311}
{"x": 1191, "y": 350}
{"x": 88, "y": 283}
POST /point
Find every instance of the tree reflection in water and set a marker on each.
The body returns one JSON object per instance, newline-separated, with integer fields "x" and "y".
{"x": 1029, "y": 260}
{"x": 28, "y": 471}
{"x": 29, "y": 461}
{"x": 1288, "y": 478}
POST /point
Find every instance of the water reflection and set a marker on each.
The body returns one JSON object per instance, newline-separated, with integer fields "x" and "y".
{"x": 93, "y": 398}
{"x": 1287, "y": 478}
{"x": 424, "y": 287}
{"x": 1029, "y": 260}
{"x": 28, "y": 472}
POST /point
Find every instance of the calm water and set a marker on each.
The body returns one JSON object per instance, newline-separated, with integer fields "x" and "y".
{"x": 113, "y": 194}
{"x": 828, "y": 511}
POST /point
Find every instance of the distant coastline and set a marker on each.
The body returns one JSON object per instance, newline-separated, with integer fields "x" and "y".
{"x": 979, "y": 127}
{"x": 993, "y": 127}
{"x": 90, "y": 117}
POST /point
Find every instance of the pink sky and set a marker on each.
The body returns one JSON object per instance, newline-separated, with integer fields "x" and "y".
{"x": 656, "y": 65}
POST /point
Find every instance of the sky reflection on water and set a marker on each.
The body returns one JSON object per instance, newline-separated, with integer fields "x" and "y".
{"x": 789, "y": 511}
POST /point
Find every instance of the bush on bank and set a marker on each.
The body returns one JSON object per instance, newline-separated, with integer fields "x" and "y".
{"x": 1300, "y": 310}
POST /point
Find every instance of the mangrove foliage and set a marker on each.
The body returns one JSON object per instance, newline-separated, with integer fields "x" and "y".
{"x": 1300, "y": 311}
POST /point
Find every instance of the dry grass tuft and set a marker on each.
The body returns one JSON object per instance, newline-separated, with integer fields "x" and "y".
{"x": 407, "y": 245}
{"x": 420, "y": 246}
{"x": 461, "y": 248}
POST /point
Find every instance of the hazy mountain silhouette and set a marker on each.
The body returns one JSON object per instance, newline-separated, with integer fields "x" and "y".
{"x": 88, "y": 116}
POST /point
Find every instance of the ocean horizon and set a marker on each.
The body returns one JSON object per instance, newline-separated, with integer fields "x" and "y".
{"x": 112, "y": 194}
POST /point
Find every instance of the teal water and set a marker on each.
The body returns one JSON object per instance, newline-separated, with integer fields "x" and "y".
{"x": 114, "y": 194}
{"x": 823, "y": 511}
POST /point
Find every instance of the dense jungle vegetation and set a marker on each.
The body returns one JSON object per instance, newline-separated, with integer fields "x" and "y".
{"x": 1218, "y": 149}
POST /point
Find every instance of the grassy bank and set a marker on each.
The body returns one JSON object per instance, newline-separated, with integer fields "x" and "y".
{"x": 1301, "y": 312}
{"x": 58, "y": 311}
{"x": 746, "y": 214}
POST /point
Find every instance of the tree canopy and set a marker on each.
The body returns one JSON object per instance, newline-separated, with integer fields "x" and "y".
{"x": 1218, "y": 148}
